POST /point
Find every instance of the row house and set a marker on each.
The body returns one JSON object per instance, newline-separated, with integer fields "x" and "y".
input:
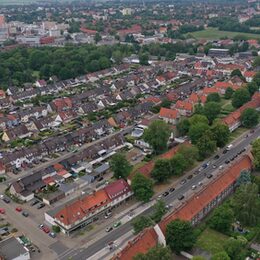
{"x": 83, "y": 211}
{"x": 25, "y": 95}
{"x": 43, "y": 124}
{"x": 60, "y": 104}
{"x": 169, "y": 115}
{"x": 8, "y": 121}
{"x": 5, "y": 103}
{"x": 18, "y": 132}
{"x": 26, "y": 115}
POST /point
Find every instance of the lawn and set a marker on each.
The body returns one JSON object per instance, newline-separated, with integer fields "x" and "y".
{"x": 213, "y": 33}
{"x": 239, "y": 131}
{"x": 211, "y": 241}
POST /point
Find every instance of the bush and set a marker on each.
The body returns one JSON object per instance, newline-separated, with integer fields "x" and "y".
{"x": 56, "y": 229}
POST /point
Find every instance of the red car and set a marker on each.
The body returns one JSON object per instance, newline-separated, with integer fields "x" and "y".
{"x": 2, "y": 211}
{"x": 18, "y": 209}
{"x": 46, "y": 229}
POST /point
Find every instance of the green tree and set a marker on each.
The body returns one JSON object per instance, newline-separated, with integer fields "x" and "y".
{"x": 97, "y": 37}
{"x": 196, "y": 119}
{"x": 159, "y": 211}
{"x": 157, "y": 135}
{"x": 178, "y": 164}
{"x": 206, "y": 145}
{"x": 140, "y": 223}
{"x": 56, "y": 229}
{"x": 120, "y": 166}
{"x": 256, "y": 61}
{"x": 198, "y": 258}
{"x": 199, "y": 109}
{"x": 221, "y": 134}
{"x": 156, "y": 253}
{"x": 220, "y": 256}
{"x": 236, "y": 72}
{"x": 117, "y": 56}
{"x": 142, "y": 187}
{"x": 197, "y": 131}
{"x": 233, "y": 247}
{"x": 143, "y": 59}
{"x": 249, "y": 118}
{"x": 180, "y": 235}
{"x": 244, "y": 178}
{"x": 212, "y": 110}
{"x": 189, "y": 152}
{"x": 256, "y": 153}
{"x": 213, "y": 97}
{"x": 252, "y": 88}
{"x": 221, "y": 219}
{"x": 240, "y": 97}
{"x": 183, "y": 127}
{"x": 246, "y": 204}
{"x": 229, "y": 92}
{"x": 162, "y": 170}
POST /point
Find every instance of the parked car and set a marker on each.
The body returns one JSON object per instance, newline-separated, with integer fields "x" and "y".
{"x": 166, "y": 193}
{"x": 108, "y": 214}
{"x": 52, "y": 234}
{"x": 117, "y": 224}
{"x": 6, "y": 200}
{"x": 18, "y": 209}
{"x": 171, "y": 189}
{"x": 34, "y": 202}
{"x": 46, "y": 229}
{"x": 209, "y": 175}
{"x": 190, "y": 177}
{"x": 108, "y": 229}
{"x": 180, "y": 197}
{"x": 183, "y": 181}
{"x": 41, "y": 205}
{"x": 2, "y": 211}
{"x": 25, "y": 214}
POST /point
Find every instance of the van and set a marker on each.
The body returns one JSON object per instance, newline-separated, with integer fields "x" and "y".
{"x": 229, "y": 147}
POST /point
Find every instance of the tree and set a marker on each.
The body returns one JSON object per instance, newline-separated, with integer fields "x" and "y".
{"x": 221, "y": 134}
{"x": 196, "y": 131}
{"x": 221, "y": 219}
{"x": 196, "y": 119}
{"x": 244, "y": 178}
{"x": 120, "y": 166}
{"x": 143, "y": 59}
{"x": 97, "y": 37}
{"x": 240, "y": 97}
{"x": 56, "y": 229}
{"x": 249, "y": 118}
{"x": 183, "y": 126}
{"x": 246, "y": 204}
{"x": 256, "y": 61}
{"x": 211, "y": 110}
{"x": 233, "y": 247}
{"x": 236, "y": 72}
{"x": 199, "y": 109}
{"x": 206, "y": 145}
{"x": 252, "y": 87}
{"x": 213, "y": 97}
{"x": 190, "y": 153}
{"x": 156, "y": 253}
{"x": 180, "y": 235}
{"x": 220, "y": 256}
{"x": 229, "y": 92}
{"x": 162, "y": 170}
{"x": 140, "y": 223}
{"x": 198, "y": 258}
{"x": 256, "y": 153}
{"x": 157, "y": 135}
{"x": 117, "y": 56}
{"x": 159, "y": 211}
{"x": 142, "y": 187}
{"x": 178, "y": 164}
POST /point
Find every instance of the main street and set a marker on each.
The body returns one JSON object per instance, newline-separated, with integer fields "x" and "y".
{"x": 86, "y": 251}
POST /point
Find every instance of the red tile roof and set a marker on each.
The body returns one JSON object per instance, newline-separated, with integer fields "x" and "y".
{"x": 184, "y": 105}
{"x": 207, "y": 91}
{"x": 117, "y": 189}
{"x": 140, "y": 244}
{"x": 196, "y": 203}
{"x": 169, "y": 113}
{"x": 249, "y": 74}
{"x": 82, "y": 207}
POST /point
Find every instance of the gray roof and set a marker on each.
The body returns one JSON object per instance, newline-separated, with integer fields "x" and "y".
{"x": 101, "y": 169}
{"x": 11, "y": 248}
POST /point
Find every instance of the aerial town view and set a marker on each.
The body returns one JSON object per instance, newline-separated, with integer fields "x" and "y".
{"x": 129, "y": 130}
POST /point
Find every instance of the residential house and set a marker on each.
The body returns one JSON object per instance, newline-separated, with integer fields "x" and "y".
{"x": 249, "y": 75}
{"x": 184, "y": 108}
{"x": 169, "y": 115}
{"x": 40, "y": 83}
{"x": 18, "y": 132}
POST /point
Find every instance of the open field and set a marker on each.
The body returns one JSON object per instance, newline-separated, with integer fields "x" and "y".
{"x": 211, "y": 241}
{"x": 213, "y": 33}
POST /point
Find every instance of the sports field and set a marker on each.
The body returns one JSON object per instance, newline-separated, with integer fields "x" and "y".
{"x": 215, "y": 34}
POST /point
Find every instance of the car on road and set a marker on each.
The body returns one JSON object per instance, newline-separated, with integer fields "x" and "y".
{"x": 165, "y": 194}
{"x": 197, "y": 172}
{"x": 183, "y": 181}
{"x": 214, "y": 166}
{"x": 108, "y": 229}
{"x": 117, "y": 224}
{"x": 225, "y": 151}
{"x": 25, "y": 214}
{"x": 216, "y": 157}
{"x": 209, "y": 175}
{"x": 52, "y": 234}
{"x": 204, "y": 166}
{"x": 108, "y": 214}
{"x": 221, "y": 167}
{"x": 40, "y": 206}
{"x": 180, "y": 197}
{"x": 18, "y": 209}
{"x": 190, "y": 177}
{"x": 227, "y": 161}
{"x": 200, "y": 183}
{"x": 171, "y": 189}
{"x": 229, "y": 147}
{"x": 100, "y": 179}
{"x": 6, "y": 200}
{"x": 193, "y": 187}
{"x": 2, "y": 211}
{"x": 34, "y": 202}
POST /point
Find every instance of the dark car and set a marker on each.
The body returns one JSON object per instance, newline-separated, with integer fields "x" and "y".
{"x": 6, "y": 200}
{"x": 109, "y": 229}
{"x": 183, "y": 181}
{"x": 180, "y": 197}
{"x": 225, "y": 151}
{"x": 216, "y": 157}
{"x": 25, "y": 214}
{"x": 34, "y": 202}
{"x": 166, "y": 193}
{"x": 172, "y": 189}
{"x": 40, "y": 206}
{"x": 100, "y": 179}
{"x": 227, "y": 161}
{"x": 190, "y": 177}
{"x": 196, "y": 172}
{"x": 209, "y": 175}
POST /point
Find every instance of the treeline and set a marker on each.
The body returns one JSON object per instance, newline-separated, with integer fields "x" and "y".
{"x": 183, "y": 29}
{"x": 23, "y": 64}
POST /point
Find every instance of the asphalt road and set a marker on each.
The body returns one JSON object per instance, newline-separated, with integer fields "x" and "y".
{"x": 88, "y": 250}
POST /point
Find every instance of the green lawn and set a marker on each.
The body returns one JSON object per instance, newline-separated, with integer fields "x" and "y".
{"x": 239, "y": 131}
{"x": 211, "y": 241}
{"x": 214, "y": 34}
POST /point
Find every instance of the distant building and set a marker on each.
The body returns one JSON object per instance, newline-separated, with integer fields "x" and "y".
{"x": 127, "y": 11}
{"x": 221, "y": 53}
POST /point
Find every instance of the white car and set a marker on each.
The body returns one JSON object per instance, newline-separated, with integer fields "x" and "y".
{"x": 193, "y": 187}
{"x": 221, "y": 167}
{"x": 200, "y": 183}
